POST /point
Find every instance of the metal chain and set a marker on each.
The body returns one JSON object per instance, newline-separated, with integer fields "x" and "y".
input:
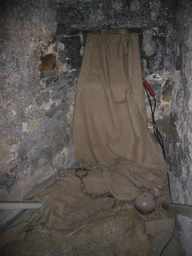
{"x": 81, "y": 176}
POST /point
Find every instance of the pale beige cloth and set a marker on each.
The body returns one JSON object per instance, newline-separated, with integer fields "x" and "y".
{"x": 110, "y": 119}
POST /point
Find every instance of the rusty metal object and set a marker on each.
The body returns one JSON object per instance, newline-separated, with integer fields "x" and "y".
{"x": 82, "y": 173}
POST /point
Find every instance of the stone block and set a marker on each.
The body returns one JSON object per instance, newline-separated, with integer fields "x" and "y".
{"x": 45, "y": 96}
{"x": 4, "y": 151}
{"x": 71, "y": 53}
{"x": 59, "y": 93}
{"x": 52, "y": 81}
{"x": 33, "y": 125}
{"x": 39, "y": 101}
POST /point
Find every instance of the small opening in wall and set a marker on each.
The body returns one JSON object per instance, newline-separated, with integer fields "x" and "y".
{"x": 48, "y": 62}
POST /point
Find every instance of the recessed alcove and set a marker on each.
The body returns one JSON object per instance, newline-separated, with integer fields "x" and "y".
{"x": 42, "y": 46}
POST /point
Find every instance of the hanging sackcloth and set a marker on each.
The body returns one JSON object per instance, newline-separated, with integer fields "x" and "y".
{"x": 110, "y": 119}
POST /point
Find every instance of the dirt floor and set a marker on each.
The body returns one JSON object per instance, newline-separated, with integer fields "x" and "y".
{"x": 118, "y": 231}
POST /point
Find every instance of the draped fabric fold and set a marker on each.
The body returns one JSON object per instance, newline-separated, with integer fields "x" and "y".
{"x": 110, "y": 119}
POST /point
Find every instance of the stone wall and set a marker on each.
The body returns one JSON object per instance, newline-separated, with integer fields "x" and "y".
{"x": 42, "y": 44}
{"x": 32, "y": 118}
{"x": 179, "y": 147}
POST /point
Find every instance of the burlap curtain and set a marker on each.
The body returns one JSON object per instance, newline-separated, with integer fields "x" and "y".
{"x": 110, "y": 119}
